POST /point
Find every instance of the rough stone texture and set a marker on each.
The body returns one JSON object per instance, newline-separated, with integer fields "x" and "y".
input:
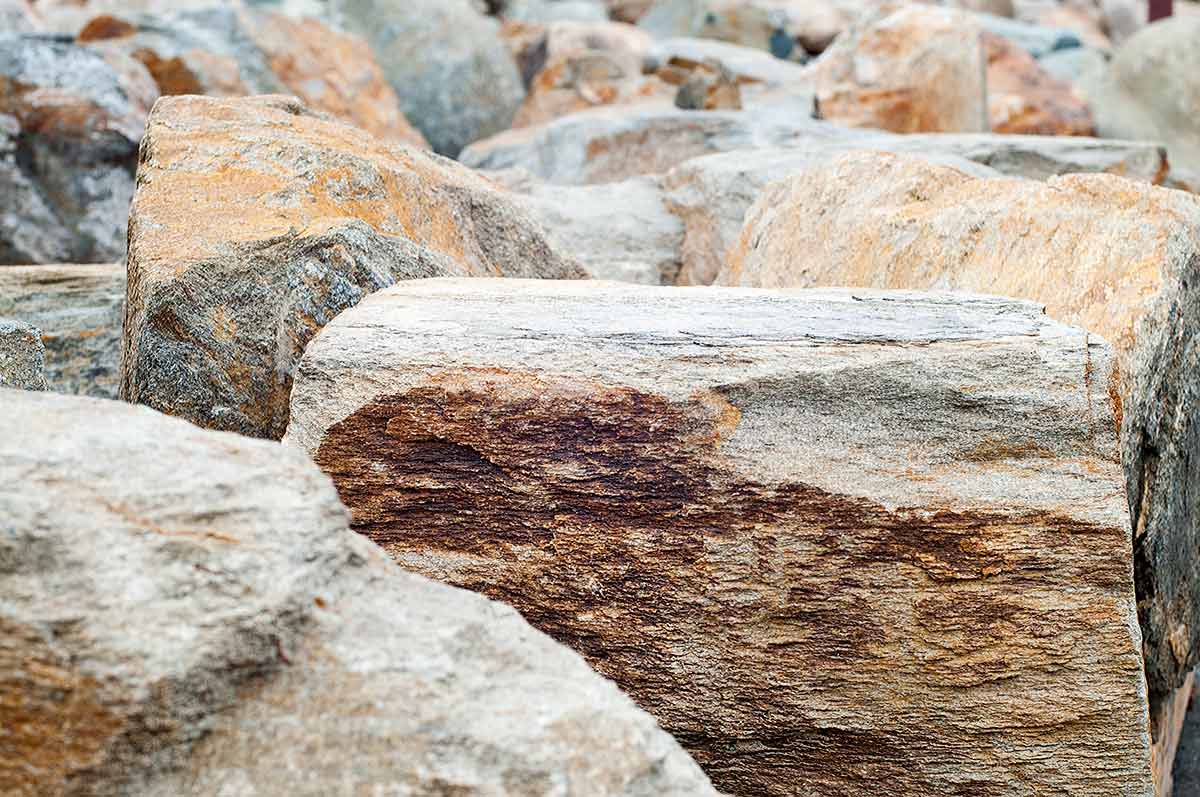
{"x": 1024, "y": 98}
{"x": 231, "y": 51}
{"x": 70, "y": 121}
{"x": 831, "y": 538}
{"x": 1150, "y": 89}
{"x": 256, "y": 221}
{"x": 1117, "y": 257}
{"x": 79, "y": 310}
{"x": 711, "y": 194}
{"x": 22, "y": 356}
{"x": 916, "y": 69}
{"x": 610, "y": 144}
{"x": 454, "y": 76}
{"x": 185, "y": 613}
{"x": 617, "y": 231}
{"x": 1186, "y": 772}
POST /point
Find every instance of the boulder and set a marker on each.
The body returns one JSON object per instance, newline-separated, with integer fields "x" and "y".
{"x": 748, "y": 64}
{"x": 544, "y": 11}
{"x": 575, "y": 81}
{"x": 1117, "y": 257}
{"x": 618, "y": 231}
{"x": 22, "y": 356}
{"x": 1037, "y": 40}
{"x": 70, "y": 122}
{"x": 711, "y": 194}
{"x": 256, "y": 221}
{"x": 227, "y": 51}
{"x": 446, "y": 62}
{"x": 784, "y": 28}
{"x": 837, "y": 539}
{"x": 614, "y": 143}
{"x": 186, "y": 612}
{"x": 18, "y": 16}
{"x": 79, "y": 310}
{"x": 1024, "y": 98}
{"x": 1150, "y": 89}
{"x": 1073, "y": 66}
{"x": 912, "y": 69}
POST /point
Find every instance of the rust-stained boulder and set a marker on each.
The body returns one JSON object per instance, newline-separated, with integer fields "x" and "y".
{"x": 1118, "y": 257}
{"x": 838, "y": 539}
{"x": 1024, "y": 98}
{"x": 70, "y": 122}
{"x": 228, "y": 51}
{"x": 79, "y": 310}
{"x": 256, "y": 221}
{"x": 912, "y": 69}
{"x": 186, "y": 612}
{"x": 711, "y": 194}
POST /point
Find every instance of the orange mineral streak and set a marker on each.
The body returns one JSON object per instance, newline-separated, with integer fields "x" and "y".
{"x": 237, "y": 181}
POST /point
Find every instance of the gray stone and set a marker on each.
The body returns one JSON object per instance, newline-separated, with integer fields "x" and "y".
{"x": 1151, "y": 89}
{"x": 70, "y": 123}
{"x": 832, "y": 538}
{"x": 79, "y": 310}
{"x": 186, "y": 613}
{"x": 544, "y": 11}
{"x": 22, "y": 356}
{"x": 614, "y": 143}
{"x": 617, "y": 231}
{"x": 1073, "y": 65}
{"x": 455, "y": 78}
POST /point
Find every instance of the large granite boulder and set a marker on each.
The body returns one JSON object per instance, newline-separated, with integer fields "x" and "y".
{"x": 256, "y": 221}
{"x": 79, "y": 310}
{"x": 454, "y": 76}
{"x": 844, "y": 539}
{"x": 186, "y": 613}
{"x": 1117, "y": 257}
{"x": 70, "y": 123}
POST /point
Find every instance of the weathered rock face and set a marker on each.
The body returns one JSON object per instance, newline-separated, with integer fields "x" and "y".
{"x": 618, "y": 231}
{"x": 711, "y": 194}
{"x": 1117, "y": 257}
{"x": 455, "y": 79}
{"x": 1150, "y": 89}
{"x": 22, "y": 356}
{"x": 230, "y": 51}
{"x": 70, "y": 122}
{"x": 79, "y": 310}
{"x": 186, "y": 612}
{"x": 610, "y": 144}
{"x": 817, "y": 552}
{"x": 916, "y": 69}
{"x": 1024, "y": 98}
{"x": 256, "y": 221}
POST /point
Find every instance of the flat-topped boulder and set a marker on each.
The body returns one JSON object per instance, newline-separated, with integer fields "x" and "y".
{"x": 712, "y": 193}
{"x": 79, "y": 310}
{"x": 834, "y": 538}
{"x": 186, "y": 612}
{"x": 1116, "y": 256}
{"x": 257, "y": 220}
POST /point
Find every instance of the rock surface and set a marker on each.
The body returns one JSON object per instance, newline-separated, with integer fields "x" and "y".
{"x": 1150, "y": 89}
{"x": 833, "y": 538}
{"x": 610, "y": 144}
{"x": 915, "y": 69}
{"x": 22, "y": 356}
{"x": 186, "y": 612}
{"x": 256, "y": 221}
{"x": 1117, "y": 257}
{"x": 70, "y": 122}
{"x": 617, "y": 231}
{"x": 1024, "y": 99}
{"x": 711, "y": 194}
{"x": 455, "y": 79}
{"x": 79, "y": 310}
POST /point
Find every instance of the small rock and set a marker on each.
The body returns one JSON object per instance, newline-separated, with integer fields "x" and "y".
{"x": 22, "y": 356}
{"x": 710, "y": 87}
